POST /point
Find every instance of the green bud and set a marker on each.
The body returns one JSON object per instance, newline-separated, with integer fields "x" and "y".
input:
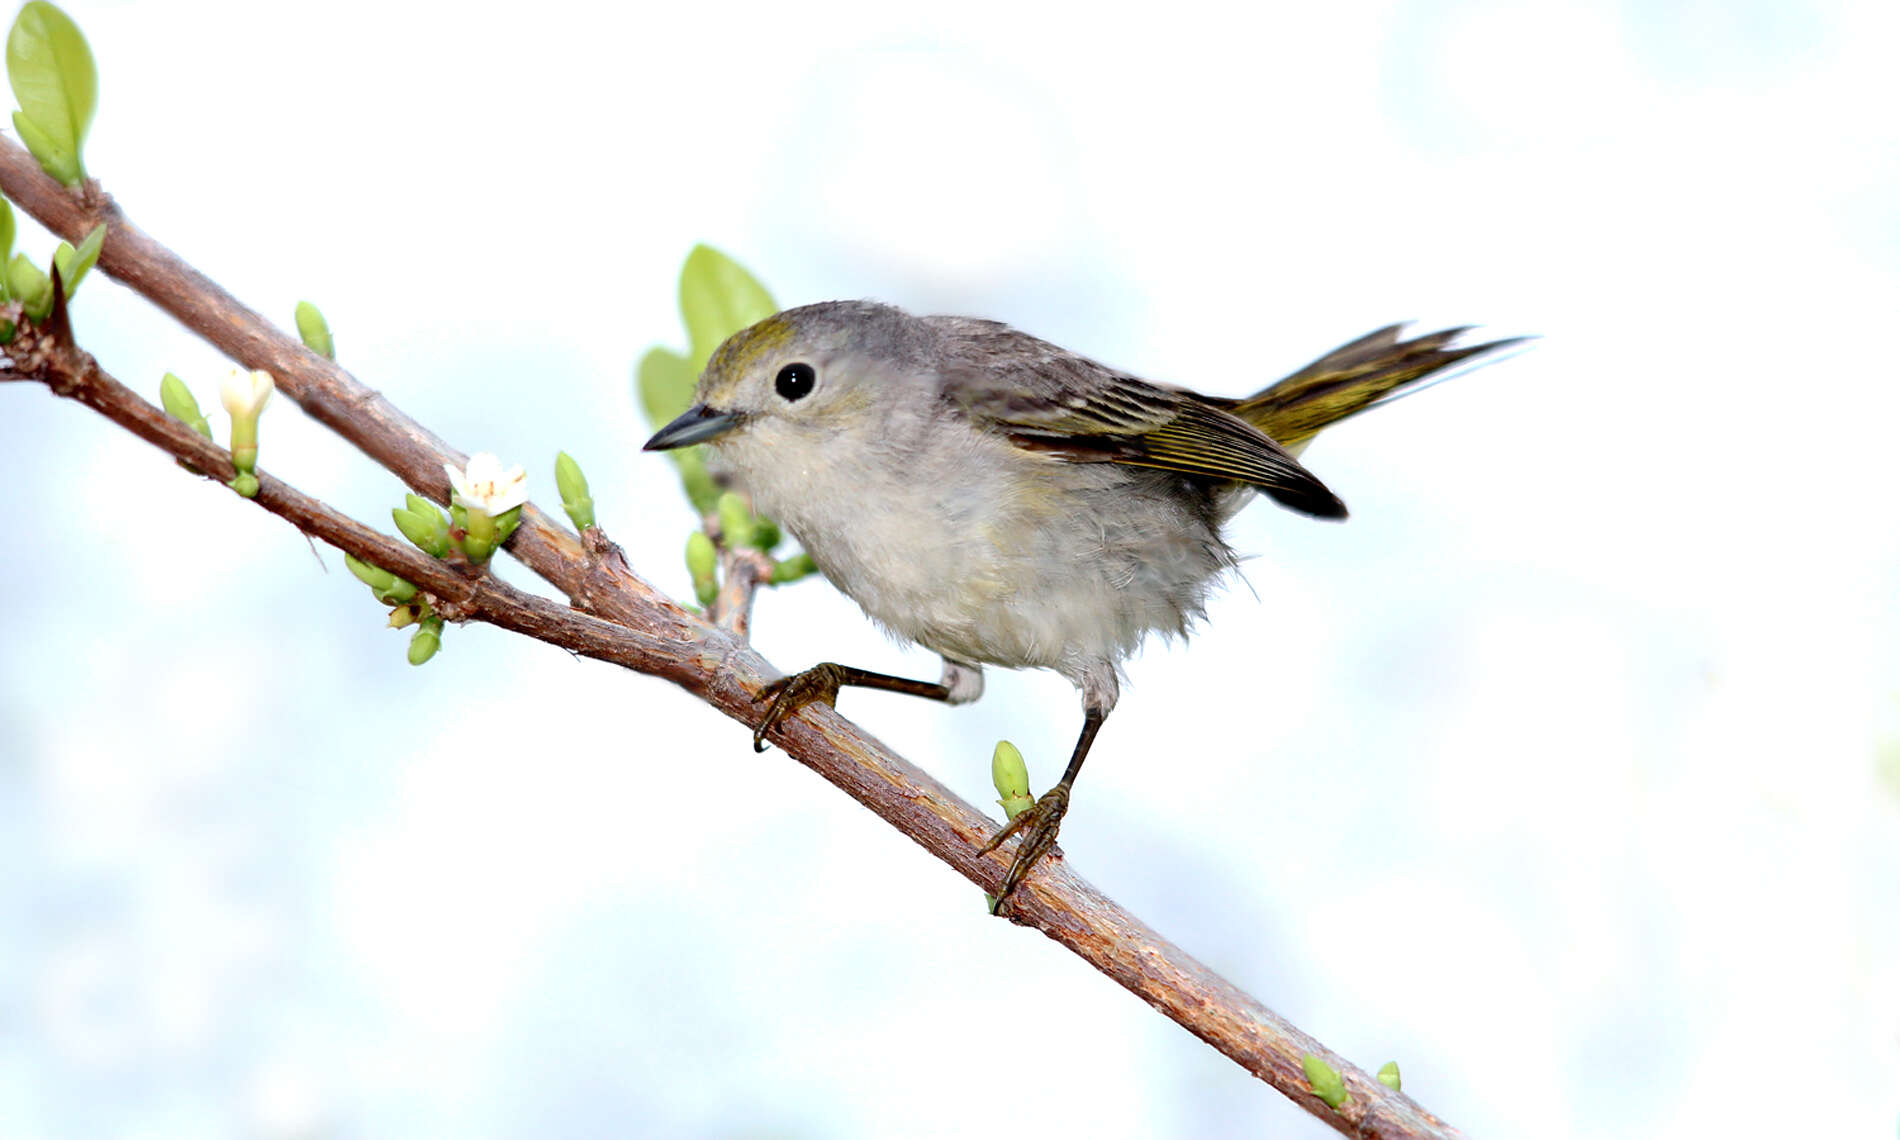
{"x": 572, "y": 485}
{"x": 1325, "y": 1080}
{"x": 1011, "y": 777}
{"x": 376, "y": 578}
{"x": 245, "y": 485}
{"x": 1389, "y": 1075}
{"x": 702, "y": 562}
{"x": 314, "y": 330}
{"x": 765, "y": 533}
{"x": 180, "y": 404}
{"x": 402, "y": 591}
{"x": 792, "y": 569}
{"x": 424, "y": 524}
{"x": 426, "y": 641}
{"x": 735, "y": 520}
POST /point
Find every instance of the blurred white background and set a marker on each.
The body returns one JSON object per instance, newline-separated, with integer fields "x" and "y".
{"x": 1567, "y": 773}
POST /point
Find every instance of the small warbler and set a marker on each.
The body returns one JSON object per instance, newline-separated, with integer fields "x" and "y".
{"x": 1004, "y": 501}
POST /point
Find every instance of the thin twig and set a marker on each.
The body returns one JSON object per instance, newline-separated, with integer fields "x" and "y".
{"x": 629, "y": 623}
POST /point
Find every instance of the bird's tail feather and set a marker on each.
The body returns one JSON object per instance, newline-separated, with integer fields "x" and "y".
{"x": 1372, "y": 370}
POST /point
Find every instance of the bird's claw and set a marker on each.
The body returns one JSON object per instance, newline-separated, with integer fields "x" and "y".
{"x": 789, "y": 694}
{"x": 1038, "y": 826}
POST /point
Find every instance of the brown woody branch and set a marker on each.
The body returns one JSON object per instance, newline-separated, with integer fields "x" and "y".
{"x": 617, "y": 617}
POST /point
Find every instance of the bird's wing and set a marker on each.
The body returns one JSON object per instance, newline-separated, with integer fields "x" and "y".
{"x": 1044, "y": 399}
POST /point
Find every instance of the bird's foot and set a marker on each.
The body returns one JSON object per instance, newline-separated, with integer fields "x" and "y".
{"x": 1038, "y": 826}
{"x": 789, "y": 694}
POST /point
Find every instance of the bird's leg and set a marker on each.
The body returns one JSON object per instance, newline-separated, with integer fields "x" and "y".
{"x": 960, "y": 683}
{"x": 1040, "y": 823}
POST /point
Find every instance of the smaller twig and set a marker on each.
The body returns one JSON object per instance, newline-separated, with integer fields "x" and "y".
{"x": 742, "y": 570}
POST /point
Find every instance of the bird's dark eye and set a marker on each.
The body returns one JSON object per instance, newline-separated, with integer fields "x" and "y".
{"x": 795, "y": 381}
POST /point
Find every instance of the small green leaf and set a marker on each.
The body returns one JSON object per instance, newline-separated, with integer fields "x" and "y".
{"x": 718, "y": 298}
{"x": 31, "y": 287}
{"x": 75, "y": 264}
{"x": 666, "y": 388}
{"x": 1389, "y": 1075}
{"x": 57, "y": 85}
{"x": 6, "y": 230}
{"x": 1325, "y": 1080}
{"x": 314, "y": 330}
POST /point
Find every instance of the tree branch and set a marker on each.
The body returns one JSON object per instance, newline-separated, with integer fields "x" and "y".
{"x": 629, "y": 623}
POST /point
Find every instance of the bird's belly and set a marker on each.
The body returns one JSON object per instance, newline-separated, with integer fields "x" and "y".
{"x": 1066, "y": 573}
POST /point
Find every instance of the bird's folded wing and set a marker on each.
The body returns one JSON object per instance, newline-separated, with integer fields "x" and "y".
{"x": 1089, "y": 413}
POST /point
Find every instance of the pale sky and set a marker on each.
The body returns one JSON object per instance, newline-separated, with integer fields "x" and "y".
{"x": 1567, "y": 773}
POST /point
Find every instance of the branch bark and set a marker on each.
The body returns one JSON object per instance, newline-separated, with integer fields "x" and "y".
{"x": 618, "y": 617}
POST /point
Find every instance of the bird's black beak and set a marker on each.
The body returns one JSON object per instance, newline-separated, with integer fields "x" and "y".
{"x": 699, "y": 424}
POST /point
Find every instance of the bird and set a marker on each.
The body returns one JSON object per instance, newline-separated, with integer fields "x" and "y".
{"x": 1001, "y": 500}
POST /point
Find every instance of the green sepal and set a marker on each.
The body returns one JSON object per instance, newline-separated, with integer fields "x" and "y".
{"x": 1325, "y": 1080}
{"x": 572, "y": 485}
{"x": 30, "y": 286}
{"x": 505, "y": 524}
{"x": 789, "y": 570}
{"x": 702, "y": 562}
{"x": 426, "y": 642}
{"x": 314, "y": 330}
{"x": 180, "y": 404}
{"x": 1011, "y": 777}
{"x": 245, "y": 484}
{"x": 1389, "y": 1075}
{"x": 56, "y": 83}
{"x": 424, "y": 524}
{"x": 74, "y": 264}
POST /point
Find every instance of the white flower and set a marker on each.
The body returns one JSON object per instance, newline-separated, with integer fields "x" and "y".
{"x": 485, "y": 486}
{"x": 246, "y": 393}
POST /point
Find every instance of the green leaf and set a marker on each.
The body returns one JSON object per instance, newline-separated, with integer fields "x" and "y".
{"x": 57, "y": 85}
{"x": 6, "y": 230}
{"x": 666, "y": 388}
{"x": 314, "y": 330}
{"x": 718, "y": 298}
{"x": 75, "y": 264}
{"x": 32, "y": 288}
